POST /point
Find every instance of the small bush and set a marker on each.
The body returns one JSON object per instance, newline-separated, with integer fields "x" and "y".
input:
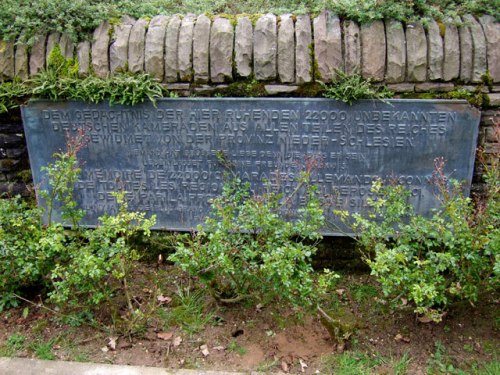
{"x": 246, "y": 250}
{"x": 432, "y": 262}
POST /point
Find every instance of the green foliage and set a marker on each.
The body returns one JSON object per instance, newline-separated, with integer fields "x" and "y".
{"x": 246, "y": 250}
{"x": 349, "y": 88}
{"x": 432, "y": 262}
{"x": 10, "y": 95}
{"x": 25, "y": 19}
{"x": 27, "y": 251}
{"x": 60, "y": 81}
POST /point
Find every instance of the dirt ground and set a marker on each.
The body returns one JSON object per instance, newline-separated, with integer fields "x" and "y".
{"x": 268, "y": 338}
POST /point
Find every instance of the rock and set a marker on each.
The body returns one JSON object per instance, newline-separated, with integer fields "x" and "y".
{"x": 494, "y": 100}
{"x": 67, "y": 46}
{"x": 451, "y": 57}
{"x": 136, "y": 46}
{"x": 185, "y": 48}
{"x": 466, "y": 53}
{"x": 21, "y": 68}
{"x": 396, "y": 52}
{"x": 100, "y": 45}
{"x": 352, "y": 47}
{"x": 154, "y": 62}
{"x": 434, "y": 51}
{"x": 492, "y": 34}
{"x": 171, "y": 44}
{"x": 303, "y": 60}
{"x": 221, "y": 50}
{"x": 178, "y": 86}
{"x": 280, "y": 89}
{"x": 201, "y": 48}
{"x": 7, "y": 66}
{"x": 479, "y": 46}
{"x": 328, "y": 45}
{"x": 286, "y": 49}
{"x": 416, "y": 52}
{"x": 434, "y": 86}
{"x": 243, "y": 47}
{"x": 37, "y": 56}
{"x": 401, "y": 87}
{"x": 373, "y": 49}
{"x": 265, "y": 48}
{"x": 83, "y": 57}
{"x": 118, "y": 50}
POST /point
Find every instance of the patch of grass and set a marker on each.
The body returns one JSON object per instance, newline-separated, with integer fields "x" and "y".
{"x": 13, "y": 344}
{"x": 267, "y": 366}
{"x": 351, "y": 363}
{"x": 187, "y": 311}
{"x": 233, "y": 346}
{"x": 43, "y": 349}
{"x": 363, "y": 293}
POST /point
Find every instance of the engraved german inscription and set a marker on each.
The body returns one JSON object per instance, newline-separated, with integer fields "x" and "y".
{"x": 165, "y": 156}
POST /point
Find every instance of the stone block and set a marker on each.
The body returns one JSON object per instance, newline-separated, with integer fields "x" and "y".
{"x": 221, "y": 50}
{"x": 136, "y": 46}
{"x": 401, "y": 87}
{"x": 479, "y": 47}
{"x": 37, "y": 55}
{"x": 201, "y": 49}
{"x": 434, "y": 86}
{"x": 154, "y": 62}
{"x": 396, "y": 52}
{"x": 100, "y": 48}
{"x": 280, "y": 89}
{"x": 451, "y": 56}
{"x": 286, "y": 49}
{"x": 303, "y": 55}
{"x": 171, "y": 48}
{"x": 67, "y": 46}
{"x": 118, "y": 50}
{"x": 416, "y": 53}
{"x": 328, "y": 45}
{"x": 494, "y": 99}
{"x": 466, "y": 53}
{"x": 243, "y": 47}
{"x": 21, "y": 67}
{"x": 352, "y": 47}
{"x": 265, "y": 47}
{"x": 7, "y": 65}
{"x": 435, "y": 54}
{"x": 83, "y": 57}
{"x": 492, "y": 34}
{"x": 185, "y": 48}
{"x": 373, "y": 49}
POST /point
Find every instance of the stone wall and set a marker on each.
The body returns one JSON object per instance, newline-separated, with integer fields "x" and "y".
{"x": 198, "y": 55}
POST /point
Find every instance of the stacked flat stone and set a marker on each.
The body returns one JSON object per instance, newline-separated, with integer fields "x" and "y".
{"x": 280, "y": 50}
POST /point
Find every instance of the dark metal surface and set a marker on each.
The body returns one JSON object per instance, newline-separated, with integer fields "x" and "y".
{"x": 165, "y": 156}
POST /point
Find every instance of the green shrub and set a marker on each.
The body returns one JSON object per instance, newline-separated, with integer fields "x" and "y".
{"x": 247, "y": 250}
{"x": 349, "y": 88}
{"x": 11, "y": 93}
{"x": 435, "y": 261}
{"x": 79, "y": 18}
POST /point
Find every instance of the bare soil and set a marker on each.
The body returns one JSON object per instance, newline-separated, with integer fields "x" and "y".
{"x": 270, "y": 338}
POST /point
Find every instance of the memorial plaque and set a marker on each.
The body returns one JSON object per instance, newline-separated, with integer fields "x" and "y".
{"x": 165, "y": 156}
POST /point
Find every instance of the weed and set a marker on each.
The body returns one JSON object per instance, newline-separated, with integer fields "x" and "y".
{"x": 233, "y": 346}
{"x": 349, "y": 88}
{"x": 364, "y": 293}
{"x": 43, "y": 349}
{"x": 187, "y": 311}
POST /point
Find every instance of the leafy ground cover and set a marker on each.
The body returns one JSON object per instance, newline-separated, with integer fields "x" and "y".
{"x": 78, "y": 18}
